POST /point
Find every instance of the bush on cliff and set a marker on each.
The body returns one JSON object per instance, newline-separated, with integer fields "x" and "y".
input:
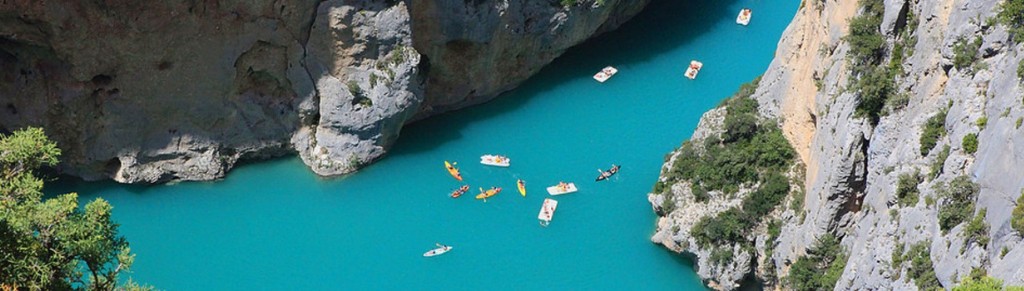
{"x": 1017, "y": 217}
{"x": 49, "y": 244}
{"x": 934, "y": 129}
{"x": 1011, "y": 14}
{"x": 907, "y": 193}
{"x": 821, "y": 268}
{"x": 957, "y": 202}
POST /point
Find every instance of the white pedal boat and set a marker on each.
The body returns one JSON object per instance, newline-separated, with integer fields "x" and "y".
{"x": 438, "y": 251}
{"x": 695, "y": 66}
{"x": 605, "y": 74}
{"x": 564, "y": 188}
{"x": 495, "y": 160}
{"x": 547, "y": 211}
{"x": 744, "y": 17}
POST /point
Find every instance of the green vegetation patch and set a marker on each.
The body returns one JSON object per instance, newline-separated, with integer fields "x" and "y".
{"x": 970, "y": 143}
{"x": 921, "y": 270}
{"x": 821, "y": 268}
{"x": 870, "y": 78}
{"x": 907, "y": 193}
{"x": 1017, "y": 217}
{"x": 1011, "y": 14}
{"x": 965, "y": 52}
{"x": 939, "y": 162}
{"x": 934, "y": 129}
{"x": 977, "y": 229}
{"x": 956, "y": 202}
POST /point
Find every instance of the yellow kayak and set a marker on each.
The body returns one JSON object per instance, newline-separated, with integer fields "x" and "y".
{"x": 452, "y": 170}
{"x": 522, "y": 187}
{"x": 487, "y": 194}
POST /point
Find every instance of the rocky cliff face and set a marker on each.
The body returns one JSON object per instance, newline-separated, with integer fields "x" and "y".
{"x": 182, "y": 90}
{"x": 853, "y": 165}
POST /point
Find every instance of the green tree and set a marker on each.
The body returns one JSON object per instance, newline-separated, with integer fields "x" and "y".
{"x": 53, "y": 244}
{"x": 970, "y": 143}
{"x": 984, "y": 283}
{"x": 957, "y": 202}
{"x": 1011, "y": 14}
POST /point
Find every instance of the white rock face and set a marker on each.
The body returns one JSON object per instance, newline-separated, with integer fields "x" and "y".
{"x": 853, "y": 167}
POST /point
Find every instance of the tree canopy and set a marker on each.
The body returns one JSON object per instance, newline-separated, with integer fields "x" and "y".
{"x": 53, "y": 244}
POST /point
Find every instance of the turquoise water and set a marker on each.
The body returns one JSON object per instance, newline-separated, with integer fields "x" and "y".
{"x": 275, "y": 225}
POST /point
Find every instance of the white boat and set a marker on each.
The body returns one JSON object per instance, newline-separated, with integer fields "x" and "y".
{"x": 495, "y": 160}
{"x": 438, "y": 251}
{"x": 547, "y": 210}
{"x": 562, "y": 188}
{"x": 744, "y": 17}
{"x": 695, "y": 66}
{"x": 605, "y": 74}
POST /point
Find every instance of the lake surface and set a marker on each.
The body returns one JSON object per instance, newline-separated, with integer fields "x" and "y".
{"x": 275, "y": 225}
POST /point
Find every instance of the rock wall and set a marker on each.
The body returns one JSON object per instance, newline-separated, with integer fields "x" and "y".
{"x": 183, "y": 90}
{"x": 852, "y": 166}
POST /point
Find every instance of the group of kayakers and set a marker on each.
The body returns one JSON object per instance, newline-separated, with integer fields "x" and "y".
{"x": 563, "y": 186}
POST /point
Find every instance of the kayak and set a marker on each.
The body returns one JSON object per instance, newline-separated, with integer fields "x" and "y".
{"x": 562, "y": 189}
{"x": 460, "y": 191}
{"x": 437, "y": 251}
{"x": 522, "y": 187}
{"x": 607, "y": 174}
{"x": 495, "y": 160}
{"x": 487, "y": 194}
{"x": 452, "y": 170}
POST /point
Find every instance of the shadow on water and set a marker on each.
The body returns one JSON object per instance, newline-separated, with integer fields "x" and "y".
{"x": 661, "y": 27}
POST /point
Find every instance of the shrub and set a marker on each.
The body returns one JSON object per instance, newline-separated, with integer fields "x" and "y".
{"x": 921, "y": 268}
{"x": 875, "y": 87}
{"x": 1020, "y": 70}
{"x": 762, "y": 201}
{"x": 1019, "y": 121}
{"x": 940, "y": 160}
{"x": 977, "y": 229}
{"x": 1011, "y": 14}
{"x": 721, "y": 255}
{"x": 726, "y": 227}
{"x": 354, "y": 89}
{"x": 699, "y": 194}
{"x": 897, "y": 256}
{"x": 739, "y": 126}
{"x": 983, "y": 121}
{"x": 865, "y": 37}
{"x": 957, "y": 202}
{"x": 970, "y": 143}
{"x": 965, "y": 53}
{"x": 1017, "y": 217}
{"x": 906, "y": 189}
{"x": 820, "y": 268}
{"x": 934, "y": 129}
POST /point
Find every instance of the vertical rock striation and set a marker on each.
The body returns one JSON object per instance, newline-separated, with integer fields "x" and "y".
{"x": 853, "y": 165}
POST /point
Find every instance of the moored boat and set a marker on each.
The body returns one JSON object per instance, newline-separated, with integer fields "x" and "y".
{"x": 695, "y": 66}
{"x": 744, "y": 17}
{"x": 605, "y": 74}
{"x": 562, "y": 188}
{"x": 495, "y": 160}
{"x": 547, "y": 211}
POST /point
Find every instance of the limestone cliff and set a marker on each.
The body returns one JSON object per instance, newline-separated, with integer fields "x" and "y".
{"x": 183, "y": 90}
{"x": 954, "y": 78}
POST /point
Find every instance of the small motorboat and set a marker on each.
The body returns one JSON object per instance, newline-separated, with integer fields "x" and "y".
{"x": 522, "y": 187}
{"x": 605, "y": 74}
{"x": 487, "y": 194}
{"x": 562, "y": 188}
{"x": 744, "y": 17}
{"x": 440, "y": 250}
{"x": 453, "y": 170}
{"x": 695, "y": 66}
{"x": 607, "y": 174}
{"x": 495, "y": 160}
{"x": 547, "y": 211}
{"x": 460, "y": 191}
